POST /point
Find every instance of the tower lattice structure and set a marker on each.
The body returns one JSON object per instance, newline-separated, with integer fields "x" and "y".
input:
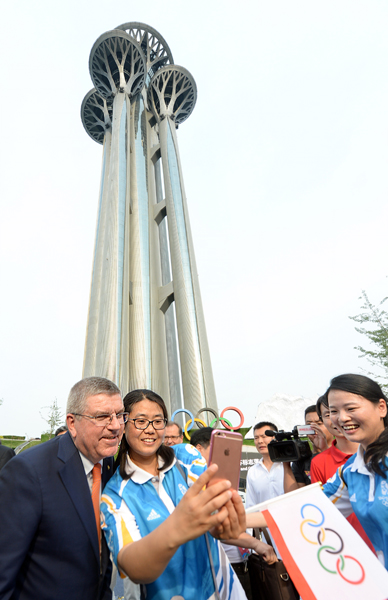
{"x": 146, "y": 326}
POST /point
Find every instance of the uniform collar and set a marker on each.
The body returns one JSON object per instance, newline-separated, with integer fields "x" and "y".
{"x": 359, "y": 462}
{"x": 140, "y": 476}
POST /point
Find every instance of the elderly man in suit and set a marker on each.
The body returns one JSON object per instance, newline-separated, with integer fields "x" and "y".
{"x": 50, "y": 543}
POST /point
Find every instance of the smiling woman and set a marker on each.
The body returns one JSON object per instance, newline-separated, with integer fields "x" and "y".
{"x": 154, "y": 525}
{"x": 358, "y": 408}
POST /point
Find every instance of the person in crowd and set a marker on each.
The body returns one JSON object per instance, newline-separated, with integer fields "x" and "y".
{"x": 5, "y": 455}
{"x": 200, "y": 439}
{"x": 155, "y": 526}
{"x": 265, "y": 478}
{"x": 325, "y": 464}
{"x": 320, "y": 441}
{"x": 358, "y": 409}
{"x": 61, "y": 430}
{"x": 174, "y": 434}
{"x": 50, "y": 544}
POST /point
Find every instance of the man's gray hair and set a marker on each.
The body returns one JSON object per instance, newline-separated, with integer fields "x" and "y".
{"x": 172, "y": 423}
{"x": 90, "y": 386}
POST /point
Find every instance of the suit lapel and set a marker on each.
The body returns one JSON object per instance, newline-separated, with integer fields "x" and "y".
{"x": 74, "y": 479}
{"x": 107, "y": 471}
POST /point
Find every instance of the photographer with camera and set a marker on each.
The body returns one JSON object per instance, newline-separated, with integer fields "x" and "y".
{"x": 287, "y": 448}
{"x": 320, "y": 440}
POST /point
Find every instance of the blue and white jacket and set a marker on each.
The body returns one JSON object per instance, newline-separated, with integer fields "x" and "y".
{"x": 354, "y": 488}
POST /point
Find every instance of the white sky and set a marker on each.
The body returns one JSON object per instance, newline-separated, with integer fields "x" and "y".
{"x": 285, "y": 168}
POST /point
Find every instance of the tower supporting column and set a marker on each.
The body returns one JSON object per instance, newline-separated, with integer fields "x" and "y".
{"x": 146, "y": 326}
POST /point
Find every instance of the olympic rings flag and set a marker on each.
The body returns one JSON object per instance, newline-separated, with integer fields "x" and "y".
{"x": 324, "y": 555}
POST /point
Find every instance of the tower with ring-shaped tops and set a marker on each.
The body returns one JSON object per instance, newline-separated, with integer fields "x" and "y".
{"x": 146, "y": 326}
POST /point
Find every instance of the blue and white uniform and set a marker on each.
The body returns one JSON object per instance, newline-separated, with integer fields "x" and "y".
{"x": 132, "y": 508}
{"x": 354, "y": 488}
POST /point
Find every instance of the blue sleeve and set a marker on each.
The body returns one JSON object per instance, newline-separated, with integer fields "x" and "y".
{"x": 191, "y": 461}
{"x": 336, "y": 490}
{"x": 109, "y": 524}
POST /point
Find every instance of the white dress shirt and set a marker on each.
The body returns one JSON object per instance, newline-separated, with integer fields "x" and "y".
{"x": 88, "y": 466}
{"x": 263, "y": 484}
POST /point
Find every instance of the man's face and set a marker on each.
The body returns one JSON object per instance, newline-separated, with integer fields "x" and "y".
{"x": 172, "y": 436}
{"x": 204, "y": 451}
{"x": 262, "y": 440}
{"x": 93, "y": 441}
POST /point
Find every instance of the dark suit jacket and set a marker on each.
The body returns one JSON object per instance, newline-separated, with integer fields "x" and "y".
{"x": 5, "y": 455}
{"x": 48, "y": 537}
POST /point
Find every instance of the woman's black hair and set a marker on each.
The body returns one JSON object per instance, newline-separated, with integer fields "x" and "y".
{"x": 322, "y": 400}
{"x": 375, "y": 455}
{"x": 165, "y": 452}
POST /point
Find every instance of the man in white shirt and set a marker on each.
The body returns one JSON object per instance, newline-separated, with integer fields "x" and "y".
{"x": 265, "y": 478}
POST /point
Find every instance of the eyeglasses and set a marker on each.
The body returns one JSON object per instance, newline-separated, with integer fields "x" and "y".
{"x": 144, "y": 423}
{"x": 171, "y": 437}
{"x": 106, "y": 420}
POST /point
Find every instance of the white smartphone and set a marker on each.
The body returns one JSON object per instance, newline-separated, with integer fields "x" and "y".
{"x": 304, "y": 430}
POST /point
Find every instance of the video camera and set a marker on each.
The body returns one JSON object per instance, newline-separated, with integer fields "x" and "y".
{"x": 287, "y": 447}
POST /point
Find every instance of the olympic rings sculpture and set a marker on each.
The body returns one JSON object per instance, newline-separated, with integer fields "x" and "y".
{"x": 190, "y": 421}
{"x": 217, "y": 418}
{"x": 317, "y": 523}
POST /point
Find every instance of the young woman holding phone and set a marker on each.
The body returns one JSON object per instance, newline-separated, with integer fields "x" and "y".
{"x": 156, "y": 528}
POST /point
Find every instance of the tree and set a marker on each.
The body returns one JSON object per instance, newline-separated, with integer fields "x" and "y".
{"x": 54, "y": 416}
{"x": 374, "y": 325}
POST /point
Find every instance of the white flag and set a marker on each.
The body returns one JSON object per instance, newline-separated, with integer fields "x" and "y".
{"x": 324, "y": 555}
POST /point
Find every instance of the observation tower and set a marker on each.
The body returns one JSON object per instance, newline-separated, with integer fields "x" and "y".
{"x": 146, "y": 326}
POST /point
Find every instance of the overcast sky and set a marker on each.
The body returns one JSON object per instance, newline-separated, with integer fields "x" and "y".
{"x": 285, "y": 168}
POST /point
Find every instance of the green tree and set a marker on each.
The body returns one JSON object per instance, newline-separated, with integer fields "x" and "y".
{"x": 53, "y": 417}
{"x": 373, "y": 323}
